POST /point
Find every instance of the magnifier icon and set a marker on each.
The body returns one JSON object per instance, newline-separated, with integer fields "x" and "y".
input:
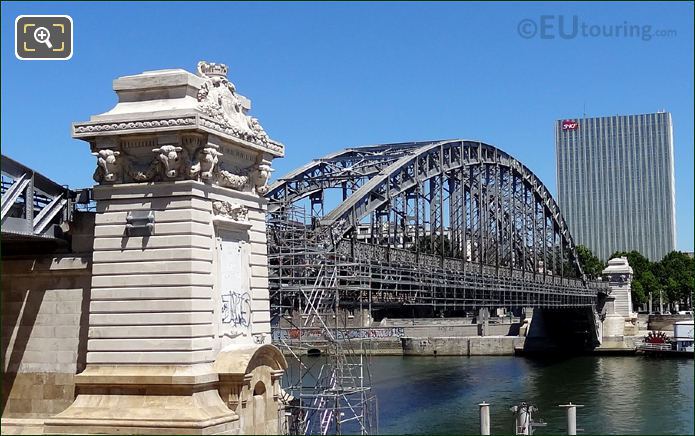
{"x": 43, "y": 36}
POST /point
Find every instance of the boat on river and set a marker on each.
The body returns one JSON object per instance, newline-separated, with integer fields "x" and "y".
{"x": 681, "y": 345}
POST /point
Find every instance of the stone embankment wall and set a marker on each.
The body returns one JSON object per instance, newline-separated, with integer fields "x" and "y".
{"x": 45, "y": 307}
{"x": 449, "y": 336}
{"x": 462, "y": 346}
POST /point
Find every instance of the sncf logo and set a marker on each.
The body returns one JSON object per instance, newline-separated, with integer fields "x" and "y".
{"x": 569, "y": 125}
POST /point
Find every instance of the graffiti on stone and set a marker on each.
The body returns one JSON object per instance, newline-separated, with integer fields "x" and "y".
{"x": 295, "y": 334}
{"x": 236, "y": 309}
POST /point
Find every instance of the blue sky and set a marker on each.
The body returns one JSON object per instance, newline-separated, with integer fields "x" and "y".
{"x": 324, "y": 76}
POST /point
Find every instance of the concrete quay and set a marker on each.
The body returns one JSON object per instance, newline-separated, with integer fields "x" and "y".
{"x": 429, "y": 346}
{"x": 462, "y": 346}
{"x": 396, "y": 336}
{"x": 464, "y": 337}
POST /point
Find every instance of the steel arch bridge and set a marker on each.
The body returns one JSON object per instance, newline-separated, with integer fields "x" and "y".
{"x": 449, "y": 223}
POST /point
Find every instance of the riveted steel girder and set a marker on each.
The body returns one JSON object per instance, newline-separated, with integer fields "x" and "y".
{"x": 500, "y": 192}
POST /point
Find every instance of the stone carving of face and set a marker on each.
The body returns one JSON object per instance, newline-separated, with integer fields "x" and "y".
{"x": 169, "y": 156}
{"x": 108, "y": 161}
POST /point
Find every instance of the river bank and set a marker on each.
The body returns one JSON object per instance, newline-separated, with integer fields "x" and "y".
{"x": 500, "y": 336}
{"x": 462, "y": 346}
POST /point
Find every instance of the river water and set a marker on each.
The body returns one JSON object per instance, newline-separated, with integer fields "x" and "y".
{"x": 621, "y": 395}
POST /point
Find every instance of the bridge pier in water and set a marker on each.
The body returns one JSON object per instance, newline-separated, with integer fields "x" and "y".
{"x": 563, "y": 330}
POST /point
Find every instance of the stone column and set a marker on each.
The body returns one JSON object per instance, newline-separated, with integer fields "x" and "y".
{"x": 483, "y": 321}
{"x": 180, "y": 271}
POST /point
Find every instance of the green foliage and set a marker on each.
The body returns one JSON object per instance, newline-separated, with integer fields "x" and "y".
{"x": 591, "y": 264}
{"x": 429, "y": 245}
{"x": 677, "y": 275}
{"x": 649, "y": 283}
{"x": 638, "y": 295}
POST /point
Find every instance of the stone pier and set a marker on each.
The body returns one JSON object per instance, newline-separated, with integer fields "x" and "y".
{"x": 179, "y": 332}
{"x": 619, "y": 322}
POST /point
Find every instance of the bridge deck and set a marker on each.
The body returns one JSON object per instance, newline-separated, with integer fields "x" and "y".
{"x": 392, "y": 277}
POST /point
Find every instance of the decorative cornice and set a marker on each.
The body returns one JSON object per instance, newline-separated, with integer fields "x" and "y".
{"x": 91, "y": 129}
{"x": 85, "y": 128}
{"x": 211, "y": 105}
{"x": 238, "y": 133}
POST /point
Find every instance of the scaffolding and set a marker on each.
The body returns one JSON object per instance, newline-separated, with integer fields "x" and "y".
{"x": 331, "y": 393}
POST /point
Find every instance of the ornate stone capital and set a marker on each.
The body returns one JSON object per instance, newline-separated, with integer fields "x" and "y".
{"x": 202, "y": 131}
{"x": 125, "y": 162}
{"x": 233, "y": 211}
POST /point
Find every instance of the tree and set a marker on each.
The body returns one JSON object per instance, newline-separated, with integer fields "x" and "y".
{"x": 650, "y": 283}
{"x": 591, "y": 264}
{"x": 676, "y": 275}
{"x": 638, "y": 294}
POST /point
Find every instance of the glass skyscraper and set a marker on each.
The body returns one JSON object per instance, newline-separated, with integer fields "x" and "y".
{"x": 615, "y": 182}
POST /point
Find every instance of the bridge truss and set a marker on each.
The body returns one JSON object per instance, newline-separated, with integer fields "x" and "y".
{"x": 35, "y": 209}
{"x": 454, "y": 224}
{"x": 450, "y": 225}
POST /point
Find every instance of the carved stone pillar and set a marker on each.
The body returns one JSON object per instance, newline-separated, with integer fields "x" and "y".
{"x": 619, "y": 273}
{"x": 180, "y": 259}
{"x": 620, "y": 320}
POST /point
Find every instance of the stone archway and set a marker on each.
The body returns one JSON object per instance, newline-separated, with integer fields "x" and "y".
{"x": 250, "y": 386}
{"x": 259, "y": 405}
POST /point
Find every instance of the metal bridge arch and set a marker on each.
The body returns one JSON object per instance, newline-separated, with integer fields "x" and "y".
{"x": 448, "y": 228}
{"x": 345, "y": 169}
{"x": 454, "y": 198}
